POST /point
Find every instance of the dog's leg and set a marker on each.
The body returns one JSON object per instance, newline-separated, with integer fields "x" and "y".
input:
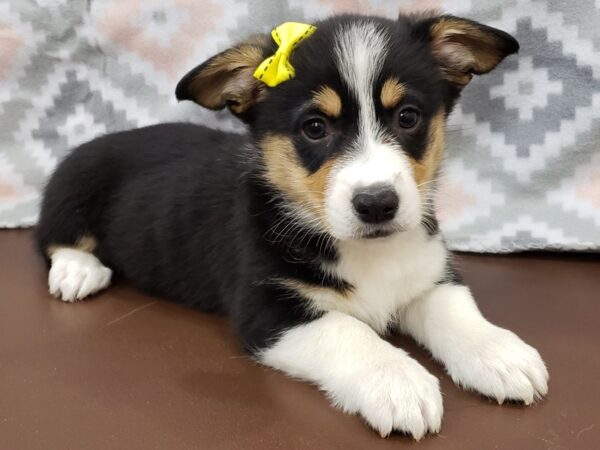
{"x": 361, "y": 373}
{"x": 75, "y": 274}
{"x": 477, "y": 354}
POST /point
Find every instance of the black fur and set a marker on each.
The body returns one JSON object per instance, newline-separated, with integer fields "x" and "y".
{"x": 175, "y": 209}
{"x": 184, "y": 212}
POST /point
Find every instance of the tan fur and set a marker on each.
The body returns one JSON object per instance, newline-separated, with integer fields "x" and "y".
{"x": 392, "y": 92}
{"x": 228, "y": 79}
{"x": 286, "y": 173}
{"x": 464, "y": 49}
{"x": 328, "y": 101}
{"x": 425, "y": 169}
{"x": 85, "y": 243}
{"x": 311, "y": 291}
{"x": 317, "y": 182}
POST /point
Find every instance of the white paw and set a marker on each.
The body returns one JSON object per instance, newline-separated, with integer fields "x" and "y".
{"x": 397, "y": 394}
{"x": 500, "y": 365}
{"x": 75, "y": 274}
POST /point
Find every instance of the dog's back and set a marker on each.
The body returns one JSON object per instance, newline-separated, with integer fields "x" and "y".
{"x": 98, "y": 198}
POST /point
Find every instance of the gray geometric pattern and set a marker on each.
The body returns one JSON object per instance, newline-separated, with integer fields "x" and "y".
{"x": 523, "y": 160}
{"x": 528, "y": 133}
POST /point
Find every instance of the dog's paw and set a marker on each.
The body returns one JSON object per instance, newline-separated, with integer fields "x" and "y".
{"x": 500, "y": 365}
{"x": 75, "y": 274}
{"x": 397, "y": 394}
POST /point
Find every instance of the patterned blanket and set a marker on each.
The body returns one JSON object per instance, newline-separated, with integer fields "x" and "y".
{"x": 523, "y": 165}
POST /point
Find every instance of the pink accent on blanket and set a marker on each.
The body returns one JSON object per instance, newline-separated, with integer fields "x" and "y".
{"x": 12, "y": 187}
{"x": 163, "y": 33}
{"x": 453, "y": 200}
{"x": 10, "y": 42}
{"x": 380, "y": 8}
{"x": 591, "y": 191}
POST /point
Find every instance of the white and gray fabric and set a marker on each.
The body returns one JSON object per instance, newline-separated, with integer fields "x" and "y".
{"x": 523, "y": 165}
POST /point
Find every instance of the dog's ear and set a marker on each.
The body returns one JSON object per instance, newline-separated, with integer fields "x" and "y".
{"x": 226, "y": 79}
{"x": 464, "y": 47}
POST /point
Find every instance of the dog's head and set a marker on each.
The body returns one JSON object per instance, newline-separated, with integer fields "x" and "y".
{"x": 353, "y": 142}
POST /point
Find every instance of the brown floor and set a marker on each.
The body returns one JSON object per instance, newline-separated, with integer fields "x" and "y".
{"x": 125, "y": 370}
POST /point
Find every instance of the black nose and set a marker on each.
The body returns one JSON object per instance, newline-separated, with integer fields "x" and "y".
{"x": 376, "y": 203}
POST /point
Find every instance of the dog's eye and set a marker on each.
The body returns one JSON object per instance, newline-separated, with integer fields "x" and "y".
{"x": 408, "y": 117}
{"x": 314, "y": 129}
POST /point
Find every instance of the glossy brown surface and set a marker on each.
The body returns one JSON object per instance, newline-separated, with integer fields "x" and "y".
{"x": 124, "y": 370}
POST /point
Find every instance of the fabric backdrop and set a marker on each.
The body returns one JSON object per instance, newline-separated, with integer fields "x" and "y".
{"x": 523, "y": 166}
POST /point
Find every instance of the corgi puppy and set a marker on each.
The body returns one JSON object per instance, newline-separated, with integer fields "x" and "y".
{"x": 315, "y": 232}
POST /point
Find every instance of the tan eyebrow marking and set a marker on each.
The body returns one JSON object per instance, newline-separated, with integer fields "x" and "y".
{"x": 328, "y": 101}
{"x": 392, "y": 92}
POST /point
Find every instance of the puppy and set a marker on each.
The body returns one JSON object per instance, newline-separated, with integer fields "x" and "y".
{"x": 315, "y": 232}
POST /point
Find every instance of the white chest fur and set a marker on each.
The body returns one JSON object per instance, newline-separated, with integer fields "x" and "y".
{"x": 387, "y": 274}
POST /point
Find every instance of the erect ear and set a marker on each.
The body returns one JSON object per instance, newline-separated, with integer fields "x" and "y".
{"x": 464, "y": 47}
{"x": 226, "y": 79}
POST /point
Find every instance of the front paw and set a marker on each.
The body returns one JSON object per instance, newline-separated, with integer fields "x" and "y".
{"x": 498, "y": 364}
{"x": 397, "y": 394}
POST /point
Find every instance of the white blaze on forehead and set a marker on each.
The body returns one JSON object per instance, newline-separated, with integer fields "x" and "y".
{"x": 360, "y": 51}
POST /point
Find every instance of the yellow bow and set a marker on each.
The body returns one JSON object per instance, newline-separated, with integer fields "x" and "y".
{"x": 277, "y": 68}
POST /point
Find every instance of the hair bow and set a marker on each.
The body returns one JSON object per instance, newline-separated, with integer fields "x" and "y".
{"x": 277, "y": 68}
